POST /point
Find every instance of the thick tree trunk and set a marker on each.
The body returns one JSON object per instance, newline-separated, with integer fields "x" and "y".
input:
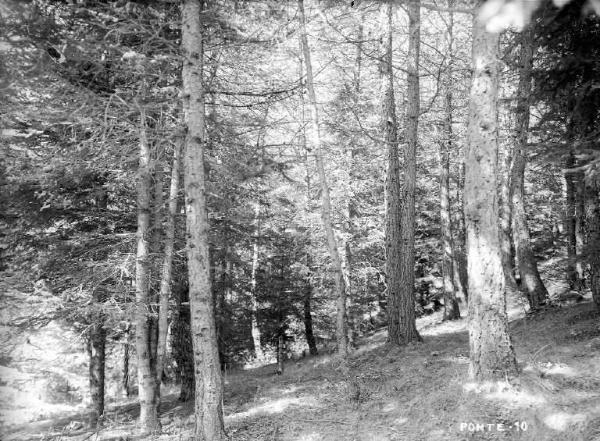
{"x": 255, "y": 330}
{"x": 148, "y": 398}
{"x": 402, "y": 327}
{"x": 315, "y": 139}
{"x": 531, "y": 281}
{"x": 167, "y": 267}
{"x": 396, "y": 308}
{"x": 491, "y": 352}
{"x": 592, "y": 246}
{"x": 451, "y": 308}
{"x": 96, "y": 346}
{"x": 209, "y": 386}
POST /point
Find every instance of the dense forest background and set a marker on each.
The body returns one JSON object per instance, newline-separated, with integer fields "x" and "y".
{"x": 230, "y": 204}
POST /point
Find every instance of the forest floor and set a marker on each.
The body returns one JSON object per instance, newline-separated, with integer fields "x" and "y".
{"x": 419, "y": 392}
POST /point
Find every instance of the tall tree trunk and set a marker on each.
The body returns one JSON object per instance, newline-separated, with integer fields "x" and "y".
{"x": 280, "y": 352}
{"x": 491, "y": 352}
{"x": 315, "y": 138}
{"x": 167, "y": 267}
{"x": 396, "y": 318}
{"x": 451, "y": 308}
{"x": 531, "y": 281}
{"x": 403, "y": 327}
{"x": 209, "y": 386}
{"x": 255, "y": 330}
{"x": 592, "y": 246}
{"x": 149, "y": 421}
{"x": 96, "y": 346}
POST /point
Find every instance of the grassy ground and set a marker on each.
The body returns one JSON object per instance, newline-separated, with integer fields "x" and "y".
{"x": 420, "y": 392}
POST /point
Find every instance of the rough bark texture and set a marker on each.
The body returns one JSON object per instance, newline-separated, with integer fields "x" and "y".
{"x": 531, "y": 282}
{"x": 505, "y": 225}
{"x": 491, "y": 352}
{"x": 167, "y": 267}
{"x": 592, "y": 246}
{"x": 402, "y": 327}
{"x": 148, "y": 398}
{"x": 96, "y": 346}
{"x": 315, "y": 140}
{"x": 451, "y": 308}
{"x": 209, "y": 387}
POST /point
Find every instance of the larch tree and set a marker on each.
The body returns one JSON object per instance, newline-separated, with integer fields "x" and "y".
{"x": 147, "y": 390}
{"x": 404, "y": 329}
{"x": 531, "y": 281}
{"x": 209, "y": 384}
{"x": 492, "y": 355}
{"x": 326, "y": 209}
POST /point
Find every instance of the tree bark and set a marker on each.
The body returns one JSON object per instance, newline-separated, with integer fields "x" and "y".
{"x": 209, "y": 386}
{"x": 181, "y": 343}
{"x": 96, "y": 346}
{"x": 308, "y": 323}
{"x": 125, "y": 377}
{"x": 592, "y": 245}
{"x": 280, "y": 353}
{"x": 451, "y": 308}
{"x": 580, "y": 228}
{"x": 255, "y": 330}
{"x": 492, "y": 355}
{"x": 461, "y": 278}
{"x": 505, "y": 225}
{"x": 531, "y": 282}
{"x": 149, "y": 421}
{"x": 315, "y": 138}
{"x": 402, "y": 327}
{"x": 571, "y": 225}
{"x": 167, "y": 267}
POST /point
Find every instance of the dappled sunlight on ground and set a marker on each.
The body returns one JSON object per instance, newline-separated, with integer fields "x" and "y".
{"x": 561, "y": 421}
{"x": 274, "y": 407}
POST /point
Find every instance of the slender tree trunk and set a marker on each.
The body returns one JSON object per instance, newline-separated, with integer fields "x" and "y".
{"x": 491, "y": 352}
{"x": 451, "y": 308}
{"x": 528, "y": 270}
{"x": 308, "y": 323}
{"x": 181, "y": 343}
{"x": 505, "y": 223}
{"x": 167, "y": 267}
{"x": 209, "y": 387}
{"x": 280, "y": 352}
{"x": 315, "y": 138}
{"x": 403, "y": 329}
{"x": 255, "y": 330}
{"x": 580, "y": 228}
{"x": 571, "y": 224}
{"x": 461, "y": 278}
{"x": 149, "y": 421}
{"x": 126, "y": 354}
{"x": 592, "y": 246}
{"x": 96, "y": 345}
